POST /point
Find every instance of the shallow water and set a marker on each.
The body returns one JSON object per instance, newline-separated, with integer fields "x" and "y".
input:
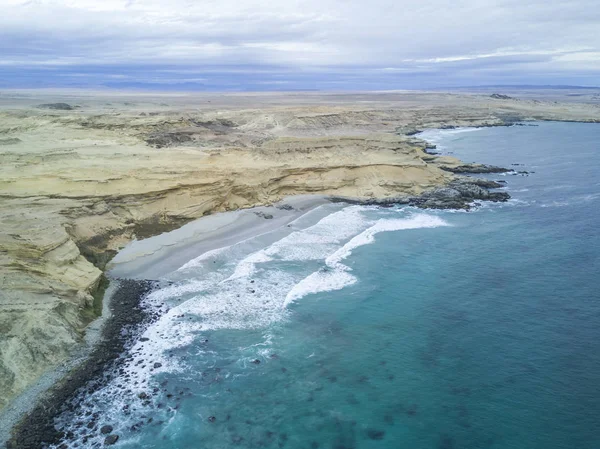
{"x": 364, "y": 327}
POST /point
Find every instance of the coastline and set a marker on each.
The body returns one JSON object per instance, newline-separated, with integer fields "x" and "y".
{"x": 28, "y": 421}
{"x": 25, "y": 403}
{"x": 133, "y": 273}
{"x": 35, "y": 428}
{"x": 456, "y": 194}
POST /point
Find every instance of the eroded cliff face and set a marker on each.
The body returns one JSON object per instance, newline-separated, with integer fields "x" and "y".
{"x": 76, "y": 185}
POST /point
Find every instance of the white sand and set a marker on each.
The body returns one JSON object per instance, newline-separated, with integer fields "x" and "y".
{"x": 154, "y": 258}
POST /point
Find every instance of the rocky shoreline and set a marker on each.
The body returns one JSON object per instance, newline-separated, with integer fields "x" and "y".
{"x": 128, "y": 318}
{"x": 461, "y": 193}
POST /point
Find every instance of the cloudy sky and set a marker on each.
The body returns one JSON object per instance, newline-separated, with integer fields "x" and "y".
{"x": 298, "y": 44}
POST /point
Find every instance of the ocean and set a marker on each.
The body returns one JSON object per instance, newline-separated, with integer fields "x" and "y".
{"x": 363, "y": 327}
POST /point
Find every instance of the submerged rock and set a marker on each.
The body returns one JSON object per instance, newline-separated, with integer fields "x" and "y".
{"x": 412, "y": 410}
{"x": 375, "y": 434}
{"x": 106, "y": 429}
{"x": 446, "y": 442}
{"x": 111, "y": 439}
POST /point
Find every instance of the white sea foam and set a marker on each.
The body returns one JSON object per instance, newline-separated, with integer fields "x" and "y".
{"x": 318, "y": 282}
{"x": 439, "y": 136}
{"x": 336, "y": 276}
{"x": 573, "y": 200}
{"x": 250, "y": 291}
{"x": 201, "y": 259}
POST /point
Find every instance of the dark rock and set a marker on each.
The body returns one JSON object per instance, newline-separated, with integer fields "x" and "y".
{"x": 143, "y": 395}
{"x": 408, "y": 131}
{"x": 374, "y": 434}
{"x": 475, "y": 168}
{"x": 157, "y": 364}
{"x": 56, "y": 106}
{"x": 459, "y": 195}
{"x": 501, "y": 97}
{"x": 168, "y": 139}
{"x": 446, "y": 442}
{"x": 429, "y": 149}
{"x": 256, "y": 361}
{"x": 106, "y": 429}
{"x": 110, "y": 440}
{"x": 285, "y": 207}
{"x": 211, "y": 419}
{"x": 264, "y": 215}
{"x": 219, "y": 126}
{"x": 486, "y": 183}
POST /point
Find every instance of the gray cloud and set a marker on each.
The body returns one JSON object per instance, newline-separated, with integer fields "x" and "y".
{"x": 385, "y": 39}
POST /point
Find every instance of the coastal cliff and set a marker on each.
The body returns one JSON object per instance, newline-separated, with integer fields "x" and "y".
{"x": 79, "y": 183}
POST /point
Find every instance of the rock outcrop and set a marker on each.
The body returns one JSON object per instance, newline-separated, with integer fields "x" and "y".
{"x": 501, "y": 97}
{"x": 56, "y": 106}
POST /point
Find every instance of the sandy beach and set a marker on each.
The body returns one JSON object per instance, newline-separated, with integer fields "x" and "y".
{"x": 156, "y": 257}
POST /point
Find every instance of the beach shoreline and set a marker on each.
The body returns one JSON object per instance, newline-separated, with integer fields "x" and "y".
{"x": 139, "y": 259}
{"x": 133, "y": 273}
{"x": 201, "y": 235}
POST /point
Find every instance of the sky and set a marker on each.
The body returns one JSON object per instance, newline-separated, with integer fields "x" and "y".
{"x": 298, "y": 44}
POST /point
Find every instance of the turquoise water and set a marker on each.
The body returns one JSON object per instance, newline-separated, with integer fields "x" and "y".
{"x": 362, "y": 327}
